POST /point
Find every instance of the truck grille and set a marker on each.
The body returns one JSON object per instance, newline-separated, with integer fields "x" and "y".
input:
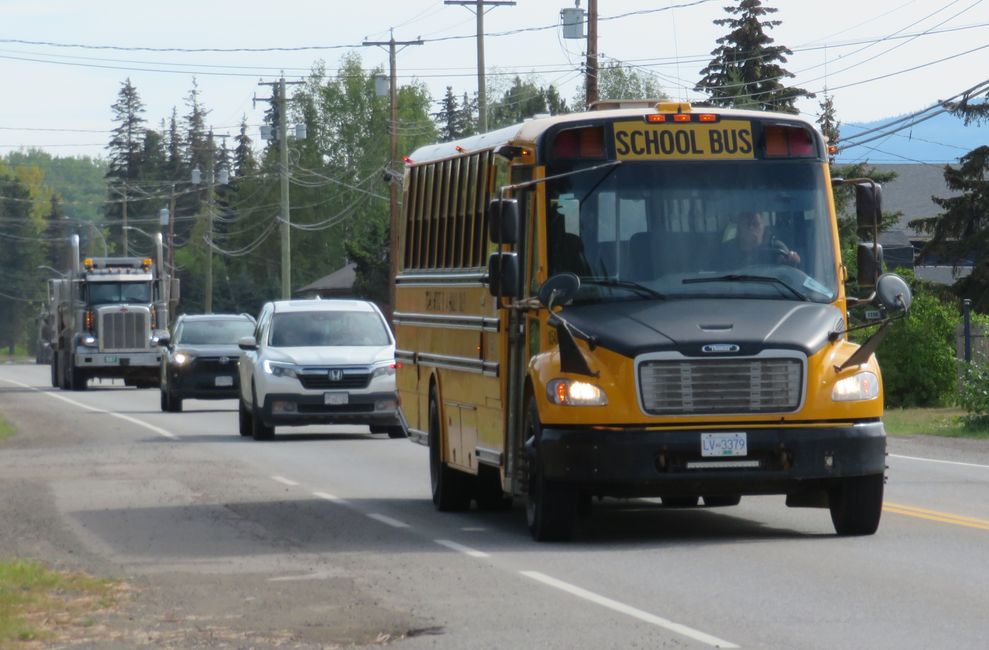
{"x": 129, "y": 330}
{"x": 720, "y": 386}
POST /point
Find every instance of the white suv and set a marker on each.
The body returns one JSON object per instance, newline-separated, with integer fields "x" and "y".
{"x": 319, "y": 362}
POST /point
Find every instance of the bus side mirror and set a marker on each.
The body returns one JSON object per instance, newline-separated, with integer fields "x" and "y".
{"x": 870, "y": 263}
{"x": 503, "y": 221}
{"x": 503, "y": 275}
{"x": 893, "y": 293}
{"x": 868, "y": 204}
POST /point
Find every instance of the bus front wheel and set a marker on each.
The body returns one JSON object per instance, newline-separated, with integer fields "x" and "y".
{"x": 550, "y": 506}
{"x": 451, "y": 489}
{"x": 856, "y": 505}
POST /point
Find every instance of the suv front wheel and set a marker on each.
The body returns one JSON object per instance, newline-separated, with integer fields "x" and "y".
{"x": 259, "y": 430}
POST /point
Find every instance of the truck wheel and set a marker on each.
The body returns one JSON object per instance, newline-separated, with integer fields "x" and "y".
{"x": 78, "y": 380}
{"x": 451, "y": 488}
{"x": 165, "y": 404}
{"x": 551, "y": 506}
{"x": 259, "y": 430}
{"x": 857, "y": 504}
{"x": 243, "y": 418}
{"x": 174, "y": 403}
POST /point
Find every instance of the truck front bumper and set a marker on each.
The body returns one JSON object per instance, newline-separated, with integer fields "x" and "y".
{"x": 97, "y": 359}
{"x": 644, "y": 462}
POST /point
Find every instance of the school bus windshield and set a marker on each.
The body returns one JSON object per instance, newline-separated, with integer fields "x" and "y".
{"x": 722, "y": 229}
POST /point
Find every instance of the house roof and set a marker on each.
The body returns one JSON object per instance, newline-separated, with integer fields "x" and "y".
{"x": 911, "y": 191}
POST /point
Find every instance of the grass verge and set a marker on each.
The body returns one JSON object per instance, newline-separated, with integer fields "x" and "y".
{"x": 947, "y": 422}
{"x": 6, "y": 429}
{"x": 38, "y": 604}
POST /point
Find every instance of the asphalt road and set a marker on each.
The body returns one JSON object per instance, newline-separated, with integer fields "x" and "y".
{"x": 327, "y": 536}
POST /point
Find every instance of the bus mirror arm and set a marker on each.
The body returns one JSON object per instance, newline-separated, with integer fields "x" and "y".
{"x": 571, "y": 358}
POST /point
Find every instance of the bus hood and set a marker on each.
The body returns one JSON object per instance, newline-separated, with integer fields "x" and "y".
{"x": 687, "y": 326}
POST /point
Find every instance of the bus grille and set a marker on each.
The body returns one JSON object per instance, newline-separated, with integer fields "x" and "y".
{"x": 130, "y": 330}
{"x": 720, "y": 386}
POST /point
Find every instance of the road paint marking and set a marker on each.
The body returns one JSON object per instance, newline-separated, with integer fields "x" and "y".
{"x": 473, "y": 529}
{"x": 943, "y": 462}
{"x": 622, "y": 608}
{"x": 95, "y": 409}
{"x": 284, "y": 481}
{"x": 460, "y": 548}
{"x": 315, "y": 575}
{"x": 329, "y": 497}
{"x": 936, "y": 515}
{"x": 394, "y": 523}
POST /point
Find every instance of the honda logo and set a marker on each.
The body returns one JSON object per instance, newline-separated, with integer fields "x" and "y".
{"x": 335, "y": 375}
{"x": 224, "y": 360}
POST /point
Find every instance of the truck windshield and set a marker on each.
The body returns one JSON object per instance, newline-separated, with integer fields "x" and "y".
{"x": 101, "y": 293}
{"x": 738, "y": 229}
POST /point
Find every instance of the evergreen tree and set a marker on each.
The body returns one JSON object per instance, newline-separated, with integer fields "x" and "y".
{"x": 20, "y": 254}
{"x": 746, "y": 66}
{"x": 244, "y": 163}
{"x": 520, "y": 101}
{"x": 828, "y": 121}
{"x": 961, "y": 231}
{"x": 467, "y": 118}
{"x": 124, "y": 161}
{"x": 448, "y": 117}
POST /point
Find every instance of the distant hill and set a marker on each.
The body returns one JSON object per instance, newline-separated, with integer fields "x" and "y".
{"x": 939, "y": 140}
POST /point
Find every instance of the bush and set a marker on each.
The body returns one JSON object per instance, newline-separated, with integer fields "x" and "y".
{"x": 918, "y": 356}
{"x": 973, "y": 393}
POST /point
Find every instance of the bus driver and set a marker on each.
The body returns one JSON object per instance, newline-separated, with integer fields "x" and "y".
{"x": 748, "y": 248}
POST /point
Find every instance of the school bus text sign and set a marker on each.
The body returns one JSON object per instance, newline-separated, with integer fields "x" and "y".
{"x": 728, "y": 139}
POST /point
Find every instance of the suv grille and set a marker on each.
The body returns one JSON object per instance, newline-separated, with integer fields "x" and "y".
{"x": 129, "y": 330}
{"x": 720, "y": 386}
{"x": 320, "y": 378}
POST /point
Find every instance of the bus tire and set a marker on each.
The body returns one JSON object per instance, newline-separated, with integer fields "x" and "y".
{"x": 550, "y": 506}
{"x": 451, "y": 489}
{"x": 259, "y": 430}
{"x": 856, "y": 504}
{"x": 489, "y": 495}
{"x": 680, "y": 502}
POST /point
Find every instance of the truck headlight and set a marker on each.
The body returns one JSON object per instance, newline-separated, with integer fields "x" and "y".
{"x": 570, "y": 392}
{"x": 276, "y": 369}
{"x": 89, "y": 340}
{"x": 861, "y": 386}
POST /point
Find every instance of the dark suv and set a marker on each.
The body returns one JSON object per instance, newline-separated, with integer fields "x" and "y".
{"x": 200, "y": 358}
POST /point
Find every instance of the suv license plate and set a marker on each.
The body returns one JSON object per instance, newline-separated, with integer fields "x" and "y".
{"x": 724, "y": 444}
{"x": 224, "y": 381}
{"x": 334, "y": 399}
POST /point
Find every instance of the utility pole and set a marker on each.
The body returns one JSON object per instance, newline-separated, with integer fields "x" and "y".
{"x": 478, "y": 8}
{"x": 591, "y": 79}
{"x": 124, "y": 229}
{"x": 171, "y": 231}
{"x": 393, "y": 163}
{"x": 283, "y": 157}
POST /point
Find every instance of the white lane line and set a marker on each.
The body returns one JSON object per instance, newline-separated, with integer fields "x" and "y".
{"x": 460, "y": 548}
{"x": 943, "y": 462}
{"x": 394, "y": 523}
{"x": 94, "y": 409}
{"x": 284, "y": 481}
{"x": 622, "y": 608}
{"x": 329, "y": 497}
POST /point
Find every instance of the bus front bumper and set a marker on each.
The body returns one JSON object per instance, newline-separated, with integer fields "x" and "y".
{"x": 644, "y": 462}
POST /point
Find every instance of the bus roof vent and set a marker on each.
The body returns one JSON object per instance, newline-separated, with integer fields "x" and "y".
{"x": 608, "y": 104}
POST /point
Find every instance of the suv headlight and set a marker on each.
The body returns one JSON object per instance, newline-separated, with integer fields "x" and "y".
{"x": 862, "y": 386}
{"x": 276, "y": 369}
{"x": 386, "y": 369}
{"x": 181, "y": 358}
{"x": 570, "y": 392}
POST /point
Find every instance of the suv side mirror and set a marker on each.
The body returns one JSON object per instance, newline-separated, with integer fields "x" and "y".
{"x": 247, "y": 343}
{"x": 503, "y": 221}
{"x": 163, "y": 339}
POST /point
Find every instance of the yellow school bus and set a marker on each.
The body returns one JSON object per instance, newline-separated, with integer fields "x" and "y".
{"x": 639, "y": 302}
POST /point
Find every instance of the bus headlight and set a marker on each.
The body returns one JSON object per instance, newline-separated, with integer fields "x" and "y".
{"x": 862, "y": 386}
{"x": 570, "y": 392}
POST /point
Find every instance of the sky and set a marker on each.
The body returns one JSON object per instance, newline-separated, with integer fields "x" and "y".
{"x": 63, "y": 62}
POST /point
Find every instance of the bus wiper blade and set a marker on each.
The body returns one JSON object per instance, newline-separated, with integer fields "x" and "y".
{"x": 641, "y": 289}
{"x": 741, "y": 277}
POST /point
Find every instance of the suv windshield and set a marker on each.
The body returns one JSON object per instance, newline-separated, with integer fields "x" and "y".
{"x": 307, "y": 329}
{"x": 214, "y": 332}
{"x": 724, "y": 229}
{"x": 118, "y": 292}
